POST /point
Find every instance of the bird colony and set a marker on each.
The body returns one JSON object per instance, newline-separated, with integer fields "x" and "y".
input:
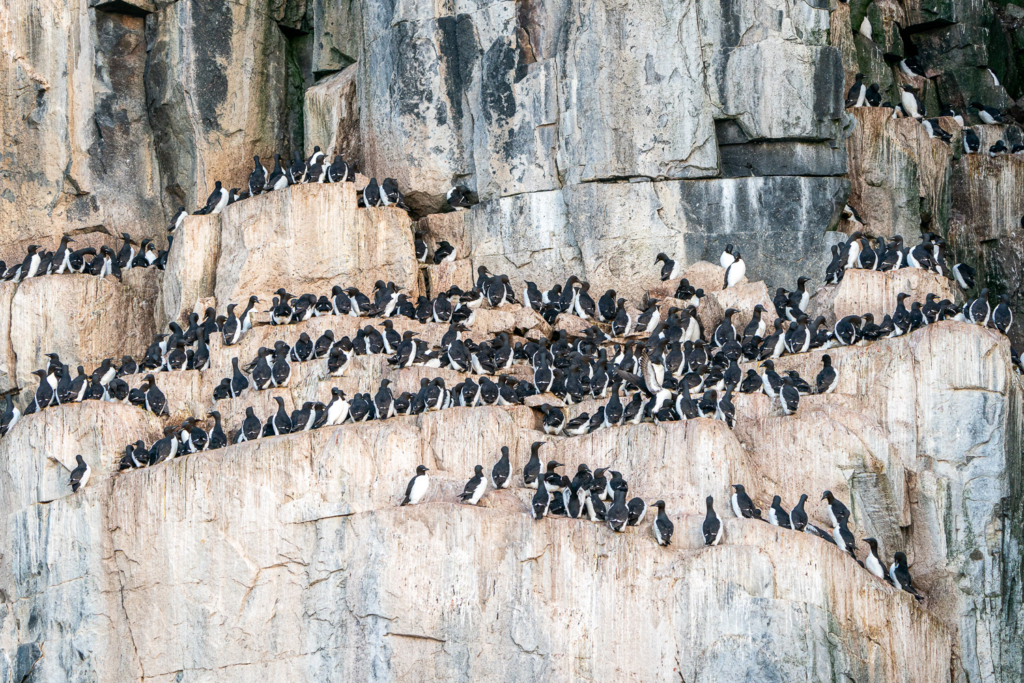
{"x": 628, "y": 368}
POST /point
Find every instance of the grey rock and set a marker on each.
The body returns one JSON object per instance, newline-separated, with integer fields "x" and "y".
{"x": 647, "y": 116}
{"x": 209, "y": 120}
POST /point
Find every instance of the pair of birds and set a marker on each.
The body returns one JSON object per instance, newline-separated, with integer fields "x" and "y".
{"x": 584, "y": 495}
{"x": 106, "y": 261}
{"x": 797, "y": 520}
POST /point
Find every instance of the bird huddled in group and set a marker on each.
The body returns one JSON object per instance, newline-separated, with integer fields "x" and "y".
{"x": 88, "y": 260}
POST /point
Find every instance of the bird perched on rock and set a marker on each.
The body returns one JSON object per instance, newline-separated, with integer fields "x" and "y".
{"x": 80, "y": 475}
{"x": 417, "y": 487}
{"x": 662, "y": 527}
{"x": 475, "y": 487}
{"x": 712, "y": 527}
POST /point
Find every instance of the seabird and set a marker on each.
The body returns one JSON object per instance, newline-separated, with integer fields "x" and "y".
{"x": 80, "y": 475}
{"x": 531, "y": 471}
{"x": 899, "y": 573}
{"x": 826, "y": 380}
{"x": 856, "y": 95}
{"x": 837, "y": 511}
{"x": 662, "y": 527}
{"x": 475, "y": 487}
{"x": 670, "y": 269}
{"x": 735, "y": 272}
{"x": 417, "y": 487}
{"x": 742, "y": 506}
{"x": 777, "y": 516}
{"x": 618, "y": 514}
{"x": 871, "y": 562}
{"x": 797, "y": 516}
{"x": 501, "y": 473}
{"x": 712, "y": 527}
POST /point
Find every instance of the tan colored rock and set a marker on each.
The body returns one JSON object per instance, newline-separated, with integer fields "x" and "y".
{"x": 745, "y": 298}
{"x": 458, "y": 273}
{"x": 216, "y": 95}
{"x": 191, "y": 269}
{"x": 77, "y": 137}
{"x": 308, "y": 238}
{"x": 83, "y": 318}
{"x": 97, "y": 430}
{"x": 449, "y": 227}
{"x": 893, "y": 165}
{"x": 8, "y": 360}
{"x": 331, "y": 116}
{"x": 866, "y": 291}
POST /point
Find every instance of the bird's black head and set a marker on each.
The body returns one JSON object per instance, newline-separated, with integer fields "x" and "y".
{"x": 420, "y": 469}
{"x": 738, "y": 488}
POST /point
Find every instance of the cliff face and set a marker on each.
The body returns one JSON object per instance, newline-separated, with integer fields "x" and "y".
{"x": 595, "y": 134}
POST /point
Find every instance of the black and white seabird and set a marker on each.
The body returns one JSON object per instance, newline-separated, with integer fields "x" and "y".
{"x": 554, "y": 419}
{"x": 216, "y": 202}
{"x": 501, "y": 473}
{"x": 798, "y": 516}
{"x": 857, "y": 93}
{"x": 637, "y": 509}
{"x": 475, "y": 487}
{"x": 712, "y": 527}
{"x": 844, "y": 539}
{"x": 459, "y": 198}
{"x": 871, "y": 562}
{"x": 837, "y": 511}
{"x": 899, "y": 574}
{"x": 777, "y": 516}
{"x": 662, "y": 527}
{"x": 735, "y": 272}
{"x": 988, "y": 115}
{"x": 826, "y": 380}
{"x": 531, "y": 472}
{"x": 742, "y": 506}
{"x": 258, "y": 177}
{"x": 618, "y": 514}
{"x": 417, "y": 487}
{"x": 964, "y": 276}
{"x": 1002, "y": 316}
{"x": 80, "y": 475}
{"x": 911, "y": 105}
{"x": 972, "y": 143}
{"x": 670, "y": 269}
{"x": 541, "y": 501}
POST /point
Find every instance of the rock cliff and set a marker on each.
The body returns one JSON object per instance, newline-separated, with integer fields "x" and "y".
{"x": 595, "y": 134}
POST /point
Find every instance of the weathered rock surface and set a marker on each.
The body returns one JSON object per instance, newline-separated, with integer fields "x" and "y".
{"x": 899, "y": 178}
{"x": 77, "y": 149}
{"x": 609, "y": 233}
{"x": 307, "y": 239}
{"x": 82, "y": 318}
{"x": 209, "y": 120}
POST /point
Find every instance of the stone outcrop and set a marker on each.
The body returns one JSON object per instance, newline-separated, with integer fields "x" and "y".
{"x": 310, "y": 238}
{"x": 78, "y": 152}
{"x": 82, "y": 318}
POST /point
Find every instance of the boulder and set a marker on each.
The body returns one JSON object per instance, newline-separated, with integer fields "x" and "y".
{"x": 83, "y": 318}
{"x": 308, "y": 238}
